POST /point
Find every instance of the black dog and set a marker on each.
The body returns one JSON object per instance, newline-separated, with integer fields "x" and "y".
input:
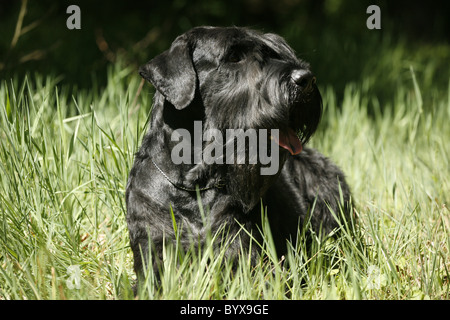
{"x": 220, "y": 79}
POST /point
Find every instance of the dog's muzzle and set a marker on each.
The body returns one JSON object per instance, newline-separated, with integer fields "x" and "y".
{"x": 143, "y": 72}
{"x": 290, "y": 138}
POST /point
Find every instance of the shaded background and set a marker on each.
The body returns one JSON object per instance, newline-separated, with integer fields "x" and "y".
{"x": 330, "y": 34}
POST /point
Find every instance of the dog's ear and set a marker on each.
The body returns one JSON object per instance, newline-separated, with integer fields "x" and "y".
{"x": 172, "y": 73}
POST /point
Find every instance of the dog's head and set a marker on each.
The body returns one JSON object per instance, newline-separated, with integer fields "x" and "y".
{"x": 243, "y": 79}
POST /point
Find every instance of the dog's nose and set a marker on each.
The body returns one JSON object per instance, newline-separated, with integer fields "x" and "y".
{"x": 304, "y": 79}
{"x": 143, "y": 71}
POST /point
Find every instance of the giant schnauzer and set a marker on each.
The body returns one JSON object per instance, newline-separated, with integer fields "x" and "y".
{"x": 216, "y": 80}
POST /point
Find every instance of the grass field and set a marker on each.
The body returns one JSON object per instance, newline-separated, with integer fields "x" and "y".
{"x": 65, "y": 155}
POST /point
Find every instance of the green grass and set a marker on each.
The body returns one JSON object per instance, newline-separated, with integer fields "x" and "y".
{"x": 65, "y": 155}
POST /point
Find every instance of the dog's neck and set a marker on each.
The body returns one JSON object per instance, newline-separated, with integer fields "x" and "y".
{"x": 166, "y": 119}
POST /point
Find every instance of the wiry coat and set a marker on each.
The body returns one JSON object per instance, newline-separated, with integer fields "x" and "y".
{"x": 229, "y": 78}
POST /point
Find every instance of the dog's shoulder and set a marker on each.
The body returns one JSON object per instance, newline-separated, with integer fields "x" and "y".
{"x": 311, "y": 159}
{"x": 311, "y": 172}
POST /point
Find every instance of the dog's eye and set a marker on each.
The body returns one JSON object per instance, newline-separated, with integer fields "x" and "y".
{"x": 275, "y": 56}
{"x": 235, "y": 56}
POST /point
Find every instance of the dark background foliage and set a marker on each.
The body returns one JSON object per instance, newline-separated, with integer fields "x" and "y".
{"x": 330, "y": 34}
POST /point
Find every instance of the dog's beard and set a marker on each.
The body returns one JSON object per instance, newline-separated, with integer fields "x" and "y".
{"x": 299, "y": 112}
{"x": 305, "y": 114}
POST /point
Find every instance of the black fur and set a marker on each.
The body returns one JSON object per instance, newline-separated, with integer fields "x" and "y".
{"x": 229, "y": 78}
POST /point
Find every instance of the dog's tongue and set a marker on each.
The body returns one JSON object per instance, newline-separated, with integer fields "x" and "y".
{"x": 290, "y": 142}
